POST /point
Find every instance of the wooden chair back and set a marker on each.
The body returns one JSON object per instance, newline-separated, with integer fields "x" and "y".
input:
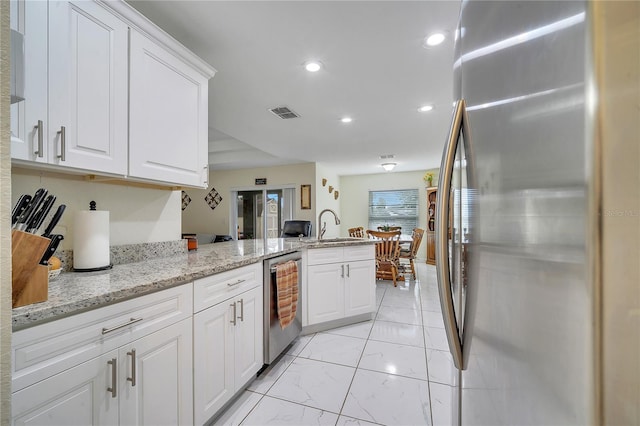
{"x": 383, "y": 235}
{"x": 356, "y": 232}
{"x": 410, "y": 254}
{"x": 387, "y": 254}
{"x": 417, "y": 235}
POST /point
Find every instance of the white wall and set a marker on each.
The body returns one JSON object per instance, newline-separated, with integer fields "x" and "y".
{"x": 198, "y": 217}
{"x": 137, "y": 215}
{"x": 354, "y": 196}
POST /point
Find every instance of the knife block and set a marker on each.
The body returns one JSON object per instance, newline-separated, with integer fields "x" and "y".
{"x": 29, "y": 279}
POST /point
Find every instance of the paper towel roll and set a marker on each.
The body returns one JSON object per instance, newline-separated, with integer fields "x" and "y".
{"x": 91, "y": 240}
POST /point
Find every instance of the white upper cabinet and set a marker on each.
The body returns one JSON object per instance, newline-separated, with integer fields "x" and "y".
{"x": 75, "y": 109}
{"x": 168, "y": 116}
{"x": 108, "y": 92}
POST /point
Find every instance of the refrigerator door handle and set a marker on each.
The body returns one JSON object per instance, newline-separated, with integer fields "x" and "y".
{"x": 442, "y": 230}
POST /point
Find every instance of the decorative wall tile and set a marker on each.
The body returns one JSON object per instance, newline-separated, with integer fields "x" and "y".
{"x": 185, "y": 200}
{"x": 213, "y": 198}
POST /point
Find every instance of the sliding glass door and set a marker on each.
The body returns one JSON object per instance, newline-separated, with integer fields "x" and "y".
{"x": 260, "y": 214}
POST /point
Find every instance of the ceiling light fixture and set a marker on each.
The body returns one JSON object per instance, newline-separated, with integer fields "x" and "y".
{"x": 312, "y": 66}
{"x": 388, "y": 166}
{"x": 346, "y": 119}
{"x": 434, "y": 39}
{"x": 425, "y": 108}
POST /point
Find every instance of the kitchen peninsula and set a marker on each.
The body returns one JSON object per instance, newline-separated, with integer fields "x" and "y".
{"x": 73, "y": 293}
{"x": 171, "y": 337}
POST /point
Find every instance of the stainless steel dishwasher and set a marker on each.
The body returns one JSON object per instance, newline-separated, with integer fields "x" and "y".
{"x": 277, "y": 339}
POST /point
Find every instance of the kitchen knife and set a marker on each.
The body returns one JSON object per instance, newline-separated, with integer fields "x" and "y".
{"x": 22, "y": 203}
{"x": 54, "y": 221}
{"x": 29, "y": 211}
{"x": 53, "y": 245}
{"x": 39, "y": 216}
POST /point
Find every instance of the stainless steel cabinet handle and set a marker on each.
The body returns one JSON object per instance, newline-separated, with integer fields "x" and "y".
{"x": 233, "y": 321}
{"x": 442, "y": 222}
{"x": 63, "y": 143}
{"x": 132, "y": 379}
{"x": 348, "y": 271}
{"x": 38, "y": 127}
{"x": 342, "y": 273}
{"x": 114, "y": 377}
{"x": 118, "y": 327}
{"x": 236, "y": 283}
{"x": 241, "y": 317}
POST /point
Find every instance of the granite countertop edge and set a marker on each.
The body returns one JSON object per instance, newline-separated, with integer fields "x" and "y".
{"x": 74, "y": 292}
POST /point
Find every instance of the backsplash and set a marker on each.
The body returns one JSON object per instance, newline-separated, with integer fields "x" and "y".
{"x": 130, "y": 253}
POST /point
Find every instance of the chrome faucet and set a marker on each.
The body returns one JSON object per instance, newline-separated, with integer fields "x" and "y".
{"x": 324, "y": 226}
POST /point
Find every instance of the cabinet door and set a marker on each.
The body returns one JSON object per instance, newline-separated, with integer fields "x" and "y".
{"x": 77, "y": 396}
{"x": 88, "y": 51}
{"x": 212, "y": 360}
{"x": 248, "y": 338}
{"x": 360, "y": 288}
{"x": 431, "y": 248}
{"x": 168, "y": 116}
{"x": 325, "y": 293}
{"x": 30, "y": 18}
{"x": 155, "y": 380}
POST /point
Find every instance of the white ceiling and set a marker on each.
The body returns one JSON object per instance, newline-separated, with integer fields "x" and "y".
{"x": 376, "y": 71}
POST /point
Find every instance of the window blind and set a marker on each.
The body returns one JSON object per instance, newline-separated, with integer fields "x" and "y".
{"x": 394, "y": 208}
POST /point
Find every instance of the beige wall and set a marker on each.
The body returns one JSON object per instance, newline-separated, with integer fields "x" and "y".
{"x": 5, "y": 221}
{"x": 354, "y": 194}
{"x": 198, "y": 217}
{"x": 617, "y": 55}
{"x": 326, "y": 200}
{"x": 136, "y": 215}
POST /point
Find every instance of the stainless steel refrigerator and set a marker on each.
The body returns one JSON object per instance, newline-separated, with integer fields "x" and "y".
{"x": 540, "y": 305}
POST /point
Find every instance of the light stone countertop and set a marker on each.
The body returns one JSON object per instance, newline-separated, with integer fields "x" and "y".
{"x": 75, "y": 292}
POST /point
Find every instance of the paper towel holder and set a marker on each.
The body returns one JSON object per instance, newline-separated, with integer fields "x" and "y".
{"x": 92, "y": 207}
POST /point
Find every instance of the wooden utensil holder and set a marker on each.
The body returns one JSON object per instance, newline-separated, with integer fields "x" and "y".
{"x": 29, "y": 279}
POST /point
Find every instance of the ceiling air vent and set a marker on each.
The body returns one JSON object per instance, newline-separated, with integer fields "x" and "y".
{"x": 387, "y": 157}
{"x": 284, "y": 112}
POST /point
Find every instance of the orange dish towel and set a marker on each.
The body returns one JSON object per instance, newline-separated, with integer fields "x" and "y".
{"x": 287, "y": 289}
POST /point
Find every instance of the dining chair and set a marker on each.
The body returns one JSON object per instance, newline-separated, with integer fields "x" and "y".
{"x": 409, "y": 255}
{"x": 387, "y": 254}
{"x": 356, "y": 232}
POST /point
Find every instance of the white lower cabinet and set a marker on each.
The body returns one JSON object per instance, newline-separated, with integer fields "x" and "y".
{"x": 142, "y": 374}
{"x": 77, "y": 396}
{"x": 155, "y": 378}
{"x": 340, "y": 283}
{"x": 147, "y": 382}
{"x": 228, "y": 350}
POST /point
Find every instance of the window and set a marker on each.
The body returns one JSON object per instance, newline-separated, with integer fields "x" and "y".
{"x": 394, "y": 208}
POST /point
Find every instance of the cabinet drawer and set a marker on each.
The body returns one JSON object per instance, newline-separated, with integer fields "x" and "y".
{"x": 363, "y": 252}
{"x": 216, "y": 288}
{"x": 324, "y": 255}
{"x": 41, "y": 351}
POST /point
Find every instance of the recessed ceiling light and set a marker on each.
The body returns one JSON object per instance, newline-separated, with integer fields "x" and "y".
{"x": 434, "y": 39}
{"x": 346, "y": 119}
{"x": 425, "y": 108}
{"x": 388, "y": 166}
{"x": 312, "y": 66}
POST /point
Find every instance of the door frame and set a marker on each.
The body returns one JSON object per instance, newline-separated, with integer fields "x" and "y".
{"x": 233, "y": 207}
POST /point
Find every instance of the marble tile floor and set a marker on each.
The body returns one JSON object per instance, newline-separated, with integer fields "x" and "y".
{"x": 393, "y": 370}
